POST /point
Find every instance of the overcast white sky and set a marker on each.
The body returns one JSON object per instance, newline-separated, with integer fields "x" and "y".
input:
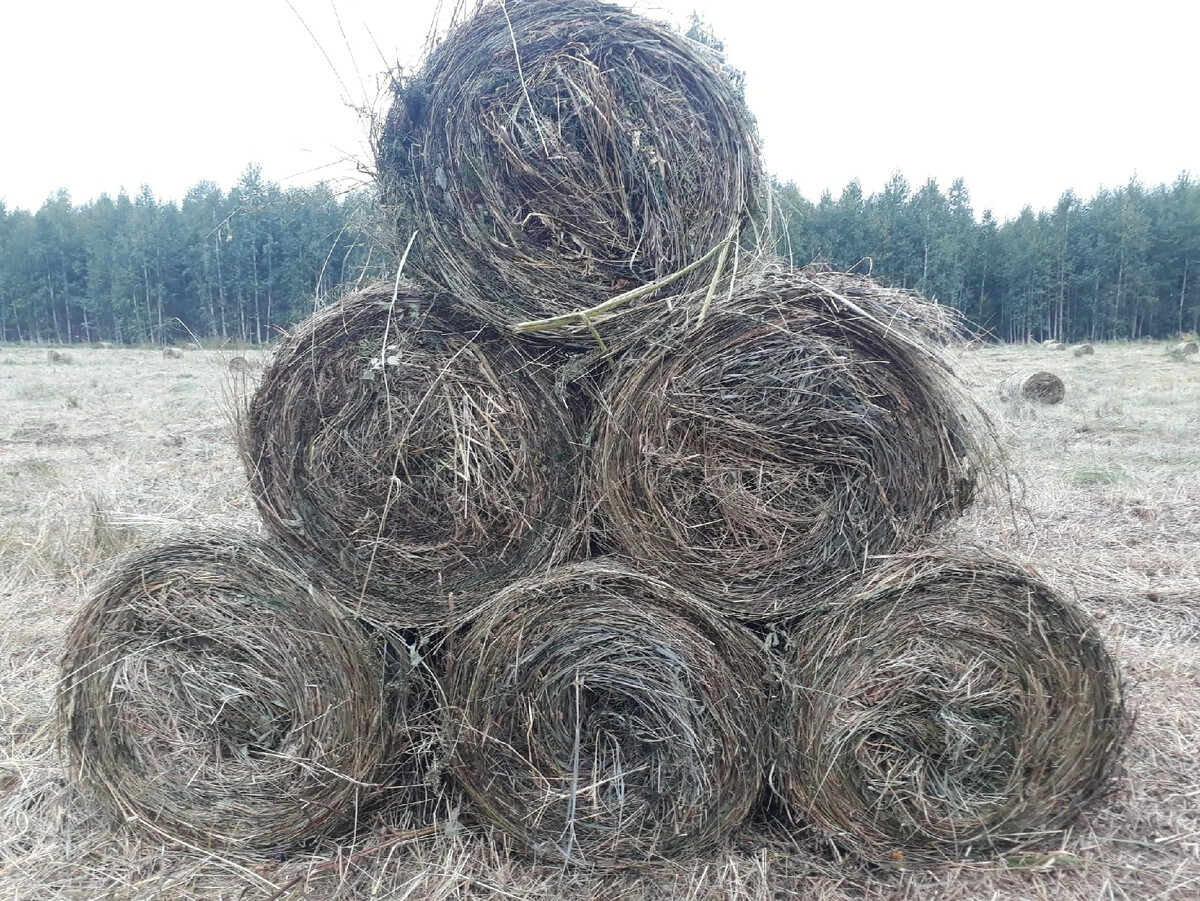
{"x": 1022, "y": 99}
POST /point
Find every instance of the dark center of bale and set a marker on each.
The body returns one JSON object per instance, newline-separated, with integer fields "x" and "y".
{"x": 952, "y": 706}
{"x": 211, "y": 690}
{"x": 608, "y": 733}
{"x": 762, "y": 459}
{"x": 931, "y": 743}
{"x": 549, "y": 153}
{"x": 415, "y": 459}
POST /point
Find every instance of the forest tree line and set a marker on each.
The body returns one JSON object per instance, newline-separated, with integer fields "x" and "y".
{"x": 232, "y": 266}
{"x": 1124, "y": 264}
{"x": 242, "y": 265}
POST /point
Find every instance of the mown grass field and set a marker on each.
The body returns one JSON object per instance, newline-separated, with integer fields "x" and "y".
{"x": 116, "y": 448}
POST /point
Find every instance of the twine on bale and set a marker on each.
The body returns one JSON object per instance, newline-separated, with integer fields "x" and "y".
{"x": 758, "y": 459}
{"x": 953, "y": 707}
{"x": 607, "y": 718}
{"x": 212, "y": 693}
{"x": 554, "y": 154}
{"x": 1036, "y": 387}
{"x": 415, "y": 457}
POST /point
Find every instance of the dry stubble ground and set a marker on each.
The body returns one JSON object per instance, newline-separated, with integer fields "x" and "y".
{"x": 120, "y": 447}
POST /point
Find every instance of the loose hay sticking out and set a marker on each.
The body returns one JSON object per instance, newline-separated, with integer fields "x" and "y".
{"x": 415, "y": 459}
{"x": 212, "y": 693}
{"x": 1037, "y": 387}
{"x": 761, "y": 458}
{"x": 955, "y": 706}
{"x": 1083, "y": 350}
{"x": 607, "y": 717}
{"x": 551, "y": 154}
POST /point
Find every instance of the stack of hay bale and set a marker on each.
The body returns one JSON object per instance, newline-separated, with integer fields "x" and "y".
{"x": 601, "y": 511}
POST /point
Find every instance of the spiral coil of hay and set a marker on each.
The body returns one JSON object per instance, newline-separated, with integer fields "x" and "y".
{"x": 1040, "y": 387}
{"x": 955, "y": 706}
{"x": 762, "y": 457}
{"x": 607, "y": 717}
{"x": 551, "y": 154}
{"x": 414, "y": 458}
{"x": 212, "y": 693}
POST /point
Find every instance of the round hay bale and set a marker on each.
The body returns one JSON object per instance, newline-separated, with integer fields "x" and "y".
{"x": 415, "y": 459}
{"x": 58, "y": 356}
{"x": 1036, "y": 387}
{"x": 240, "y": 365}
{"x": 1185, "y": 348}
{"x": 1057, "y": 345}
{"x": 764, "y": 456}
{"x": 552, "y": 155}
{"x": 606, "y": 717}
{"x": 955, "y": 706}
{"x": 211, "y": 692}
{"x": 1083, "y": 350}
{"x": 172, "y": 353}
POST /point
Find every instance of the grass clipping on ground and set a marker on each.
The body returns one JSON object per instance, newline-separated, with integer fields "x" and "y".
{"x": 551, "y": 154}
{"x": 954, "y": 706}
{"x": 417, "y": 459}
{"x": 760, "y": 457}
{"x": 211, "y": 693}
{"x": 604, "y": 717}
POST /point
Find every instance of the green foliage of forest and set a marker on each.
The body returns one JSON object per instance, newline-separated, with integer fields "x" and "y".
{"x": 243, "y": 264}
{"x": 1124, "y": 264}
{"x": 230, "y": 266}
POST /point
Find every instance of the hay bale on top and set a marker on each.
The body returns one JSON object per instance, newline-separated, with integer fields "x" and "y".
{"x": 552, "y": 154}
{"x": 764, "y": 456}
{"x": 415, "y": 459}
{"x": 607, "y": 717}
{"x": 1083, "y": 350}
{"x": 954, "y": 706}
{"x": 212, "y": 693}
{"x": 1037, "y": 387}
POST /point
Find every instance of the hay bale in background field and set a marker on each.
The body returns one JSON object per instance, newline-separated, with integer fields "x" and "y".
{"x": 1185, "y": 349}
{"x": 1057, "y": 345}
{"x": 58, "y": 356}
{"x": 607, "y": 717}
{"x": 414, "y": 458}
{"x": 212, "y": 693}
{"x": 953, "y": 706}
{"x": 552, "y": 154}
{"x": 1083, "y": 350}
{"x": 172, "y": 353}
{"x": 1037, "y": 387}
{"x": 761, "y": 458}
{"x": 240, "y": 365}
